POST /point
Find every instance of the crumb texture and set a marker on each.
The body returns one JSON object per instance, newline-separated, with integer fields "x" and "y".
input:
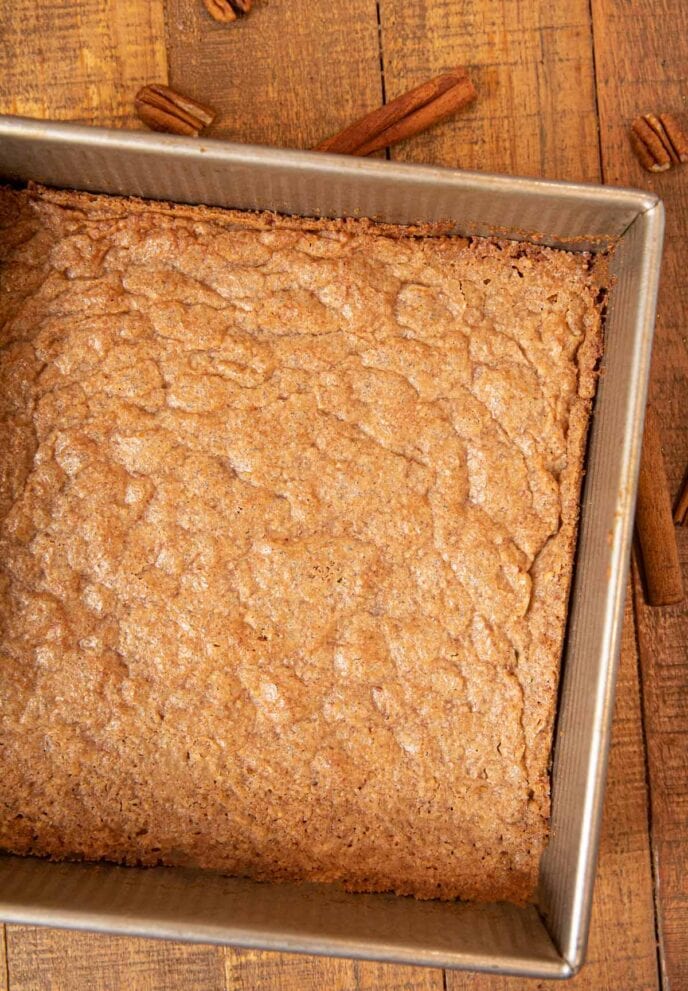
{"x": 287, "y": 518}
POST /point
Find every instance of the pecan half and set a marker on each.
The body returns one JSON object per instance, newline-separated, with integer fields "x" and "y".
{"x": 163, "y": 109}
{"x": 227, "y": 10}
{"x": 660, "y": 158}
{"x": 659, "y": 129}
{"x": 676, "y": 135}
{"x": 659, "y": 141}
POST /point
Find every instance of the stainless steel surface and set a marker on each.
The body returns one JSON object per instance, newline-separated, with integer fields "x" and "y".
{"x": 193, "y": 905}
{"x": 550, "y": 941}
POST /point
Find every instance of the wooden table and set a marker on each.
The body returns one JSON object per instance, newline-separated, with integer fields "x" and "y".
{"x": 559, "y": 81}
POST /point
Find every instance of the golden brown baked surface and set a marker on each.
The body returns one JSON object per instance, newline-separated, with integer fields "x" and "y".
{"x": 288, "y": 515}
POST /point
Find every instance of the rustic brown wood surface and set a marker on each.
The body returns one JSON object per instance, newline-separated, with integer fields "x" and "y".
{"x": 528, "y": 60}
{"x": 548, "y": 73}
{"x": 290, "y": 74}
{"x": 75, "y": 961}
{"x": 3, "y": 960}
{"x": 654, "y": 525}
{"x": 641, "y": 54}
{"x": 80, "y": 61}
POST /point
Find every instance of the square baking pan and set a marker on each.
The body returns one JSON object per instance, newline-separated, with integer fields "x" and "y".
{"x": 546, "y": 940}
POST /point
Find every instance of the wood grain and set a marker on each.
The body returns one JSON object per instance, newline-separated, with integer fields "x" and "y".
{"x": 528, "y": 60}
{"x": 253, "y": 971}
{"x": 663, "y": 643}
{"x": 654, "y": 523}
{"x": 288, "y": 74}
{"x": 3, "y": 959}
{"x": 79, "y": 61}
{"x": 56, "y": 960}
{"x": 641, "y": 66}
{"x": 621, "y": 954}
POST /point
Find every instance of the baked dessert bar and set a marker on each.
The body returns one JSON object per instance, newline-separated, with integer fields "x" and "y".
{"x": 288, "y": 513}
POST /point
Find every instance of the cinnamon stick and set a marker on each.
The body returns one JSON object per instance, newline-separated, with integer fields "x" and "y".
{"x": 432, "y": 113}
{"x": 655, "y": 526}
{"x": 681, "y": 511}
{"x": 409, "y": 114}
{"x": 164, "y": 109}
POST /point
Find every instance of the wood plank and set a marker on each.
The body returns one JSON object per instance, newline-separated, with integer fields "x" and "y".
{"x": 79, "y": 61}
{"x": 641, "y": 66}
{"x": 3, "y": 960}
{"x": 663, "y": 640}
{"x": 527, "y": 58}
{"x": 287, "y": 74}
{"x": 253, "y": 971}
{"x": 621, "y": 953}
{"x": 55, "y": 960}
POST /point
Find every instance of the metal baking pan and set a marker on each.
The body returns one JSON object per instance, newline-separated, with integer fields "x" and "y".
{"x": 547, "y": 940}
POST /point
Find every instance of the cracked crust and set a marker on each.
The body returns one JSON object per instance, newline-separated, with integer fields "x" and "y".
{"x": 288, "y": 519}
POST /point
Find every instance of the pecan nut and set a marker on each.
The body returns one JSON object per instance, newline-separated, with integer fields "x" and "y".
{"x": 163, "y": 109}
{"x": 655, "y": 123}
{"x": 659, "y": 141}
{"x": 227, "y": 10}
{"x": 676, "y": 135}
